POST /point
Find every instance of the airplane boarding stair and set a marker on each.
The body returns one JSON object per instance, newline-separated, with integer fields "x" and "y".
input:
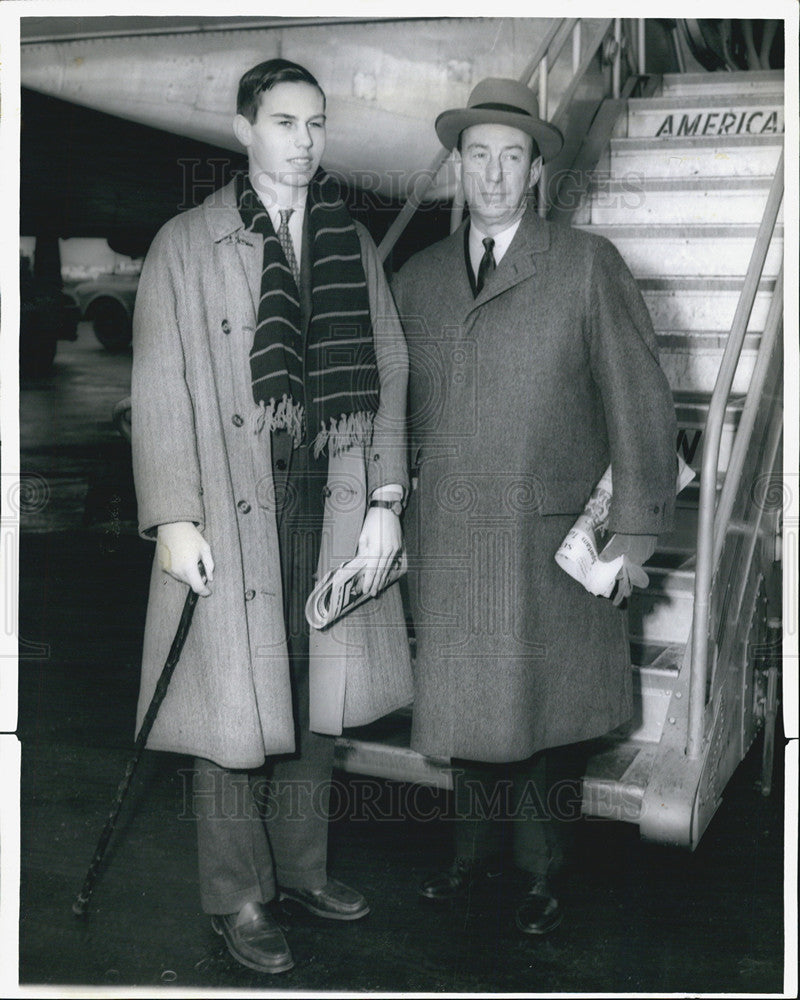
{"x": 684, "y": 174}
{"x": 681, "y": 190}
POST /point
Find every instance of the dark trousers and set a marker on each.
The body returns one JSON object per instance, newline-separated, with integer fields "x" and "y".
{"x": 529, "y": 807}
{"x": 259, "y": 828}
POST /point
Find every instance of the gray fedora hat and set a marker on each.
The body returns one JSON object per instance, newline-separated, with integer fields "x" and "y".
{"x": 497, "y": 101}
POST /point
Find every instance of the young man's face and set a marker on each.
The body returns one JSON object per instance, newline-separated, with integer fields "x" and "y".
{"x": 496, "y": 173}
{"x": 286, "y": 141}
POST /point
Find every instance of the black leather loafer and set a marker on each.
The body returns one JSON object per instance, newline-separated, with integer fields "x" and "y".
{"x": 334, "y": 901}
{"x": 254, "y": 939}
{"x": 539, "y": 912}
{"x": 451, "y": 882}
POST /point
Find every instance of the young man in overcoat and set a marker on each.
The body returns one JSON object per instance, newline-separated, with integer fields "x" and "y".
{"x": 533, "y": 365}
{"x": 269, "y": 395}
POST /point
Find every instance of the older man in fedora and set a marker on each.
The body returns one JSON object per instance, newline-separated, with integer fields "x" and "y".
{"x": 533, "y": 366}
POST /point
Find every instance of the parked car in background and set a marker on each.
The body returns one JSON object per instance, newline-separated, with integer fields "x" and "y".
{"x": 107, "y": 303}
{"x": 47, "y": 314}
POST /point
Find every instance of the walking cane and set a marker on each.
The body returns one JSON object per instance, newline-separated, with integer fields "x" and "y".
{"x": 79, "y": 906}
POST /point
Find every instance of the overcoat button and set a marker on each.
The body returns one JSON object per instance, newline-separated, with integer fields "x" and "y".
{"x": 249, "y": 595}
{"x": 656, "y": 509}
{"x": 226, "y": 327}
{"x": 280, "y": 463}
{"x": 376, "y": 458}
{"x": 236, "y": 420}
{"x": 326, "y": 491}
{"x": 243, "y": 506}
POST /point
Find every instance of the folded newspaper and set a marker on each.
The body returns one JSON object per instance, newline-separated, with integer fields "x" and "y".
{"x": 578, "y": 553}
{"x": 339, "y": 591}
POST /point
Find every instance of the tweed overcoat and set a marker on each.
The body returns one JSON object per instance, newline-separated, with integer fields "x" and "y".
{"x": 201, "y": 454}
{"x": 518, "y": 400}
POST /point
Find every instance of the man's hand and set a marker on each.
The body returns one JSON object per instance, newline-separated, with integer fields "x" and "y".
{"x": 636, "y": 550}
{"x": 380, "y": 543}
{"x": 181, "y": 548}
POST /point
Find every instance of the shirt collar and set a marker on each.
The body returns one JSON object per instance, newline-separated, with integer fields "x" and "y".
{"x": 502, "y": 240}
{"x": 244, "y": 188}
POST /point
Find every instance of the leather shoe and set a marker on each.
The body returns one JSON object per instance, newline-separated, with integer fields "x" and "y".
{"x": 450, "y": 882}
{"x": 334, "y": 901}
{"x": 254, "y": 939}
{"x": 539, "y": 912}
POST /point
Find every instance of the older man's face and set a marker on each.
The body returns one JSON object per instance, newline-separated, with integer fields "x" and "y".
{"x": 496, "y": 171}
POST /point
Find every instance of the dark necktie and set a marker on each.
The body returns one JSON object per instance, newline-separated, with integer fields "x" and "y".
{"x": 487, "y": 264}
{"x": 285, "y": 238}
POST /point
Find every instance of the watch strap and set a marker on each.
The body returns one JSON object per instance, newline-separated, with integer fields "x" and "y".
{"x": 396, "y": 506}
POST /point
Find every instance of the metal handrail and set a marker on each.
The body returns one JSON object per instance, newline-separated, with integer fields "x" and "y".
{"x": 395, "y": 231}
{"x": 549, "y": 48}
{"x": 578, "y": 72}
{"x": 707, "y": 527}
{"x": 744, "y": 430}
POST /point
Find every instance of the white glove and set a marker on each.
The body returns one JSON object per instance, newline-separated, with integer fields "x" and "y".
{"x": 185, "y": 555}
{"x": 634, "y": 550}
{"x": 380, "y": 544}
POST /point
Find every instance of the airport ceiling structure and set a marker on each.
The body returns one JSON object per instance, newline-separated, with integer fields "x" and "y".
{"x": 95, "y": 165}
{"x": 85, "y": 173}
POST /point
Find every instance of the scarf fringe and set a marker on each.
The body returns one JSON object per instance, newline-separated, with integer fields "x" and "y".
{"x": 344, "y": 432}
{"x": 287, "y": 415}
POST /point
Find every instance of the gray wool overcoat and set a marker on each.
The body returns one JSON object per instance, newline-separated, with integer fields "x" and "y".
{"x": 201, "y": 454}
{"x": 519, "y": 399}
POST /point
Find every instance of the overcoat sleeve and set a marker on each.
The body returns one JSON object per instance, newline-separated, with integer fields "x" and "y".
{"x": 166, "y": 467}
{"x": 637, "y": 401}
{"x": 387, "y": 460}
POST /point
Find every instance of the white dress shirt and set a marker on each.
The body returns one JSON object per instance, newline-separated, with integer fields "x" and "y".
{"x": 501, "y": 244}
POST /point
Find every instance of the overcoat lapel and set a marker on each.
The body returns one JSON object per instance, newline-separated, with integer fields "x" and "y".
{"x": 227, "y": 230}
{"x": 452, "y": 271}
{"x": 518, "y": 264}
{"x": 251, "y": 255}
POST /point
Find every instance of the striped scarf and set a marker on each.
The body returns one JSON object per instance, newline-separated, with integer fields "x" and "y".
{"x": 331, "y": 387}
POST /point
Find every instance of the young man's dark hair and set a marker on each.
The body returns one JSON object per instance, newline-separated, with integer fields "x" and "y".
{"x": 264, "y": 77}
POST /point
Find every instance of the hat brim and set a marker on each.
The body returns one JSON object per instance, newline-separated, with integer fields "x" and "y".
{"x": 450, "y": 124}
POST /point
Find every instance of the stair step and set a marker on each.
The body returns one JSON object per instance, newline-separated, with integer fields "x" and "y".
{"x": 662, "y": 613}
{"x": 382, "y": 749}
{"x": 691, "y": 360}
{"x": 618, "y": 774}
{"x": 682, "y": 539}
{"x": 655, "y": 670}
{"x": 769, "y": 81}
{"x": 691, "y": 413}
{"x": 674, "y": 201}
{"x": 657, "y": 251}
{"x": 680, "y": 544}
{"x": 724, "y": 115}
{"x": 710, "y": 156}
{"x": 616, "y": 779}
{"x": 694, "y": 304}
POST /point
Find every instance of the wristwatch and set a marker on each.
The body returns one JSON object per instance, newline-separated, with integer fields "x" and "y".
{"x": 396, "y": 506}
